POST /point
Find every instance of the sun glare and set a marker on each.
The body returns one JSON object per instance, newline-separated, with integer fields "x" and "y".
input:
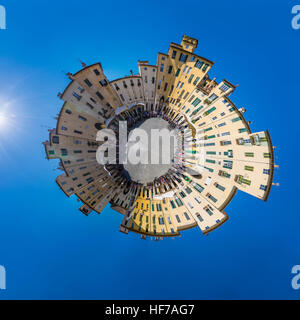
{"x": 5, "y": 106}
{"x": 2, "y": 120}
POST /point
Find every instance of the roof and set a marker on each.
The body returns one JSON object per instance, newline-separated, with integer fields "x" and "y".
{"x": 272, "y": 166}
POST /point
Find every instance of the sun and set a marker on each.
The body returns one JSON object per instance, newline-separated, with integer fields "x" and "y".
{"x": 2, "y": 119}
{"x": 5, "y": 109}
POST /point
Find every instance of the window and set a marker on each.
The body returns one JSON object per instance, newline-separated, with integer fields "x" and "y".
{"x": 162, "y": 67}
{"x": 209, "y": 144}
{"x": 161, "y": 220}
{"x": 242, "y": 130}
{"x": 191, "y": 98}
{"x": 200, "y": 218}
{"x": 177, "y": 218}
{"x": 76, "y": 95}
{"x": 242, "y": 180}
{"x": 210, "y": 161}
{"x": 190, "y": 78}
{"x": 88, "y": 82}
{"x": 174, "y": 54}
{"x": 170, "y": 69}
{"x": 64, "y": 152}
{"x": 197, "y": 200}
{"x": 236, "y": 119}
{"x": 205, "y": 67}
{"x": 266, "y": 171}
{"x": 213, "y": 97}
{"x": 158, "y": 207}
{"x": 103, "y": 83}
{"x": 177, "y": 72}
{"x": 198, "y": 187}
{"x": 211, "y": 137}
{"x": 99, "y": 95}
{"x": 188, "y": 190}
{"x": 166, "y": 86}
{"x": 225, "y": 143}
{"x": 249, "y": 154}
{"x": 225, "y": 134}
{"x": 224, "y": 174}
{"x": 182, "y": 194}
{"x": 263, "y": 187}
{"x": 187, "y": 216}
{"x": 173, "y": 204}
{"x": 209, "y": 211}
{"x": 55, "y": 139}
{"x": 183, "y": 57}
{"x": 96, "y": 71}
{"x": 196, "y": 81}
{"x": 64, "y": 128}
{"x": 196, "y": 102}
{"x": 179, "y": 202}
{"x": 199, "y": 64}
{"x": 213, "y": 199}
{"x": 90, "y": 106}
{"x": 224, "y": 87}
{"x": 153, "y": 80}
{"x": 124, "y": 84}
{"x": 206, "y": 113}
{"x": 159, "y": 84}
{"x": 218, "y": 186}
{"x": 267, "y": 155}
{"x": 249, "y": 168}
{"x": 82, "y": 118}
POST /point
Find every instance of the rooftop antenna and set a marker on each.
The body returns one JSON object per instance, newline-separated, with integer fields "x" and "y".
{"x": 82, "y": 63}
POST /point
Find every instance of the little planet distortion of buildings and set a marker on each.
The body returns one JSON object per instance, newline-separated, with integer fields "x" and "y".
{"x": 177, "y": 93}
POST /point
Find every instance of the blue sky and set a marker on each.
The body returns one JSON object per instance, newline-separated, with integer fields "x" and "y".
{"x": 49, "y": 249}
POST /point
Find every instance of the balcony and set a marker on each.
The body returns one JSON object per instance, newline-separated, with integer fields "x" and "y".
{"x": 206, "y": 85}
